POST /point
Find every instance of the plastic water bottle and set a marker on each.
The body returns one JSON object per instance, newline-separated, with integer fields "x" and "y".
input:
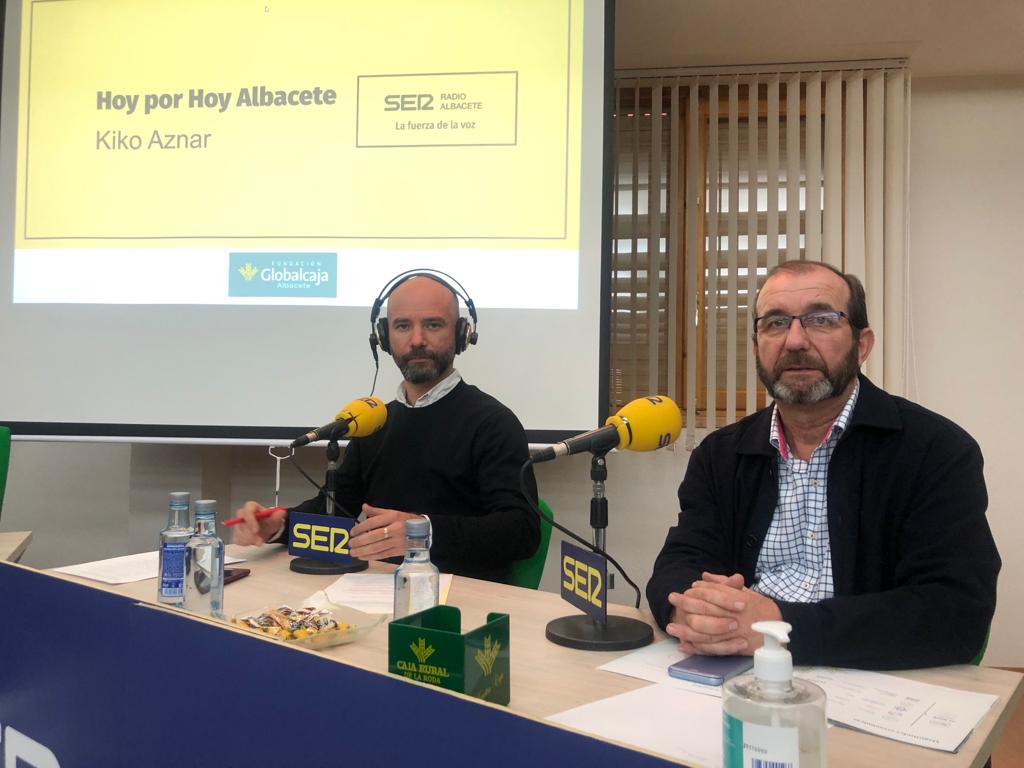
{"x": 416, "y": 579}
{"x": 173, "y": 539}
{"x": 204, "y": 564}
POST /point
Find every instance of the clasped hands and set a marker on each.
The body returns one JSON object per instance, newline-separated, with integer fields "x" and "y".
{"x": 713, "y": 617}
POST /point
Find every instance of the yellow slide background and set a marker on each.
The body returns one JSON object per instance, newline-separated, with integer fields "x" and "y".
{"x": 316, "y": 171}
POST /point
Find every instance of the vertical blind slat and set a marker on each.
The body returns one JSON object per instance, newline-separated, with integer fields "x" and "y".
{"x": 812, "y": 153}
{"x": 616, "y": 361}
{"x": 853, "y": 177}
{"x": 672, "y": 245}
{"x": 694, "y": 194}
{"x": 773, "y": 171}
{"x": 634, "y": 255}
{"x": 654, "y": 242}
{"x": 734, "y": 233}
{"x": 793, "y": 166}
{"x": 832, "y": 216}
{"x": 897, "y": 85}
{"x": 874, "y": 234}
{"x": 753, "y": 122}
{"x": 711, "y": 311}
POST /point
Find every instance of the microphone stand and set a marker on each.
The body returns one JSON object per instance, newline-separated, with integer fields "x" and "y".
{"x": 326, "y": 567}
{"x": 580, "y": 631}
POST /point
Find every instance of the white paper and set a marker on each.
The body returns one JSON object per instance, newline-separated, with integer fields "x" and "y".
{"x": 651, "y": 663}
{"x": 121, "y": 570}
{"x": 905, "y": 710}
{"x": 374, "y": 592}
{"x": 659, "y": 718}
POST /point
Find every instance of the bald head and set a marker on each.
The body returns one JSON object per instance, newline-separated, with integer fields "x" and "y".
{"x": 423, "y": 294}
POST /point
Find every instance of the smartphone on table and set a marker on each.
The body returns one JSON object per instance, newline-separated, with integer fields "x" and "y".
{"x": 710, "y": 670}
{"x": 234, "y": 574}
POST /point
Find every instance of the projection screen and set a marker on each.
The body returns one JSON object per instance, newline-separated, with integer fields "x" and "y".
{"x": 200, "y": 202}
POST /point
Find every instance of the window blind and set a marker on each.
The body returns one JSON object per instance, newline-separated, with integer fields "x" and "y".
{"x": 721, "y": 174}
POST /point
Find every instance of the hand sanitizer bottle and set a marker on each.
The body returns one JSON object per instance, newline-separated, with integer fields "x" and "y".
{"x": 416, "y": 579}
{"x": 768, "y": 717}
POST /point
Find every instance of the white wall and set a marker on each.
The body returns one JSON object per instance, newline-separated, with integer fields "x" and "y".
{"x": 86, "y": 501}
{"x": 967, "y": 296}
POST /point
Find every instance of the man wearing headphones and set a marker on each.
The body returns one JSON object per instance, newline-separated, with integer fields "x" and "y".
{"x": 448, "y": 451}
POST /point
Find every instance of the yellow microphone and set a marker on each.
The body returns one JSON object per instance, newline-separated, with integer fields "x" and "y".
{"x": 359, "y": 418}
{"x": 363, "y": 416}
{"x": 645, "y": 424}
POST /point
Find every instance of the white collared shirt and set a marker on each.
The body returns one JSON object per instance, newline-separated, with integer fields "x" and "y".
{"x": 432, "y": 395}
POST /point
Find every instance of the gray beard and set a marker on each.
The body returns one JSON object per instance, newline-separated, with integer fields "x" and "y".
{"x": 422, "y": 372}
{"x": 834, "y": 383}
{"x": 820, "y": 390}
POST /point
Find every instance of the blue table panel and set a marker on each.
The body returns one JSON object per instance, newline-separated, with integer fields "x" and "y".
{"x": 102, "y": 680}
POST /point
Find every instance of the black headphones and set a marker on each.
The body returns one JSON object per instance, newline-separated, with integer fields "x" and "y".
{"x": 465, "y": 330}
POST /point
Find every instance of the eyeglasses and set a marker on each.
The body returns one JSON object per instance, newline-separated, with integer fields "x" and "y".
{"x": 821, "y": 321}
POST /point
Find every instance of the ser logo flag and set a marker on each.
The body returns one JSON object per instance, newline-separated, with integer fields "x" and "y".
{"x": 321, "y": 537}
{"x": 585, "y": 581}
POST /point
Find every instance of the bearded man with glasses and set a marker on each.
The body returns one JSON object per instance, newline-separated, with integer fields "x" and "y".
{"x": 854, "y": 515}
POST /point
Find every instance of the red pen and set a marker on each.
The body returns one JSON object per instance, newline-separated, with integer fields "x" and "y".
{"x": 259, "y": 515}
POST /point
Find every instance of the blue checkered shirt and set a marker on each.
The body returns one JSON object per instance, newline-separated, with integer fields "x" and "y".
{"x": 795, "y": 563}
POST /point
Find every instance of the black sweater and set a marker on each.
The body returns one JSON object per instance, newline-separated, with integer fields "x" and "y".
{"x": 457, "y": 461}
{"x": 913, "y": 559}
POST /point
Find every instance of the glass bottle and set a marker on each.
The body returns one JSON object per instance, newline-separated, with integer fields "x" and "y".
{"x": 173, "y": 539}
{"x": 417, "y": 579}
{"x": 204, "y": 564}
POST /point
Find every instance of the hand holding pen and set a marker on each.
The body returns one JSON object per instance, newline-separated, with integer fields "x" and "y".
{"x": 255, "y": 524}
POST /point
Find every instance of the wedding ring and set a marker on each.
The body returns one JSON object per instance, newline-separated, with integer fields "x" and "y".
{"x": 386, "y": 534}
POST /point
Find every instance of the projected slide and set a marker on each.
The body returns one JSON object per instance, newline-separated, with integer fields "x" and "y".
{"x": 235, "y": 152}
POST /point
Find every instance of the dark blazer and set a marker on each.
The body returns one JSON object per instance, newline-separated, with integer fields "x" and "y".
{"x": 913, "y": 560}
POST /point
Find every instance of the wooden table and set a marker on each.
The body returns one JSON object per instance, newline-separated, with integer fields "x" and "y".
{"x": 13, "y": 544}
{"x": 548, "y": 678}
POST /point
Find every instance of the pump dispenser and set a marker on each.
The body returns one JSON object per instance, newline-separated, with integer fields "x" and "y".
{"x": 769, "y": 716}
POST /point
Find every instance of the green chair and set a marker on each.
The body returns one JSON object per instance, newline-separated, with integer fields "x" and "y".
{"x": 5, "y": 456}
{"x": 527, "y": 573}
{"x": 981, "y": 654}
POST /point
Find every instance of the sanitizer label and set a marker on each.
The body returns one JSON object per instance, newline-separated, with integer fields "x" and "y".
{"x": 746, "y": 745}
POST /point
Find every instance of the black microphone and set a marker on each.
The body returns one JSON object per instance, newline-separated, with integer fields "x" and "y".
{"x": 596, "y": 440}
{"x": 320, "y": 433}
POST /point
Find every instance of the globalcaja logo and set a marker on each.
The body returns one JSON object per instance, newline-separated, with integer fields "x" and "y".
{"x": 291, "y": 275}
{"x": 485, "y": 658}
{"x": 422, "y": 651}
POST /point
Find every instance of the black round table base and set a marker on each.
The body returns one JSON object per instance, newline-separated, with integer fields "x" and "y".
{"x": 325, "y": 567}
{"x": 583, "y": 633}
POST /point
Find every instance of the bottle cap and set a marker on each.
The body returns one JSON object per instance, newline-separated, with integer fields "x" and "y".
{"x": 773, "y": 663}
{"x": 181, "y": 497}
{"x": 417, "y": 528}
{"x": 205, "y": 508}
